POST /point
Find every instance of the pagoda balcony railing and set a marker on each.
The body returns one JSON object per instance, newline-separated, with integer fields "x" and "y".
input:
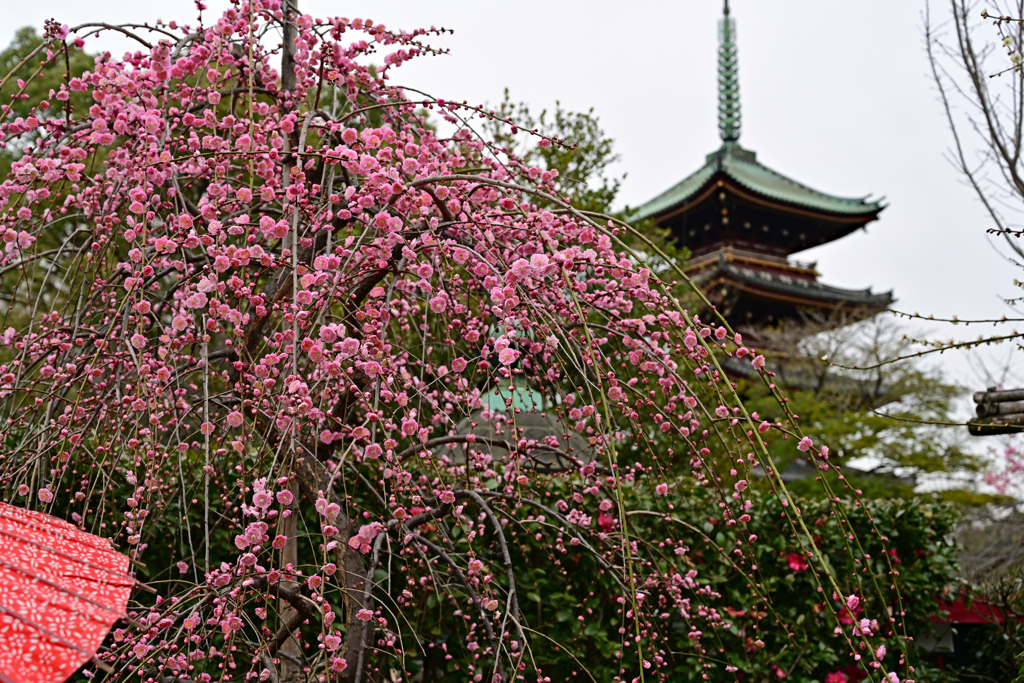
{"x": 732, "y": 254}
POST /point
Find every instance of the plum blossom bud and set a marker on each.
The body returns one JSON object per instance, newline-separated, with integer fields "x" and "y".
{"x": 852, "y": 602}
{"x": 764, "y": 427}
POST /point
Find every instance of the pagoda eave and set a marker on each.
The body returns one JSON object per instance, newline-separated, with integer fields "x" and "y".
{"x": 721, "y": 181}
{"x": 759, "y": 295}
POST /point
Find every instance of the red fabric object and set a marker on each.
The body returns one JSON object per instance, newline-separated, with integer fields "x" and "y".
{"x": 61, "y": 590}
{"x": 977, "y": 613}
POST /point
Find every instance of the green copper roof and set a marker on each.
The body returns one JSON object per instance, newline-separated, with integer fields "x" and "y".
{"x": 741, "y": 166}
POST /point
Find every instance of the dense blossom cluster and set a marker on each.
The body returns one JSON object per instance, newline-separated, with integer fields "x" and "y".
{"x": 272, "y": 334}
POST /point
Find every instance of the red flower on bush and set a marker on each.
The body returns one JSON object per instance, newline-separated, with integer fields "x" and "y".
{"x": 796, "y": 562}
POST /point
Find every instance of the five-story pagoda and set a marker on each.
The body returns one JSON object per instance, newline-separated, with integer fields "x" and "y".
{"x": 741, "y": 221}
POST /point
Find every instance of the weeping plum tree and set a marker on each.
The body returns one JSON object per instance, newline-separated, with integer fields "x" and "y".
{"x": 289, "y": 348}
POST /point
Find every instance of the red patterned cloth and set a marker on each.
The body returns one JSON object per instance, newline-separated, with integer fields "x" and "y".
{"x": 61, "y": 590}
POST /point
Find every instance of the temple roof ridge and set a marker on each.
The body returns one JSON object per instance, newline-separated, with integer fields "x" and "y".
{"x": 741, "y": 166}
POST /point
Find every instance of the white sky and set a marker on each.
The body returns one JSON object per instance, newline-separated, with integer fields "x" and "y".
{"x": 835, "y": 95}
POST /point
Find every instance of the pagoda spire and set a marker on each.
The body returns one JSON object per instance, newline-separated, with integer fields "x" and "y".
{"x": 728, "y": 79}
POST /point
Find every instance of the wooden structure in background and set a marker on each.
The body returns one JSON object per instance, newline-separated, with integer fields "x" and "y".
{"x": 999, "y": 412}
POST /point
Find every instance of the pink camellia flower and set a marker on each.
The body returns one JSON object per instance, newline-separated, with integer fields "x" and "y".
{"x": 805, "y": 444}
{"x": 796, "y": 562}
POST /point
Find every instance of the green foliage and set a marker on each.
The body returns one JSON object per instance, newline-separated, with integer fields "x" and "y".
{"x": 583, "y": 161}
{"x": 576, "y": 605}
{"x": 31, "y": 82}
{"x": 893, "y": 413}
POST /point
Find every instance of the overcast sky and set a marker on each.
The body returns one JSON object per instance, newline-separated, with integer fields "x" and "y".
{"x": 835, "y": 95}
